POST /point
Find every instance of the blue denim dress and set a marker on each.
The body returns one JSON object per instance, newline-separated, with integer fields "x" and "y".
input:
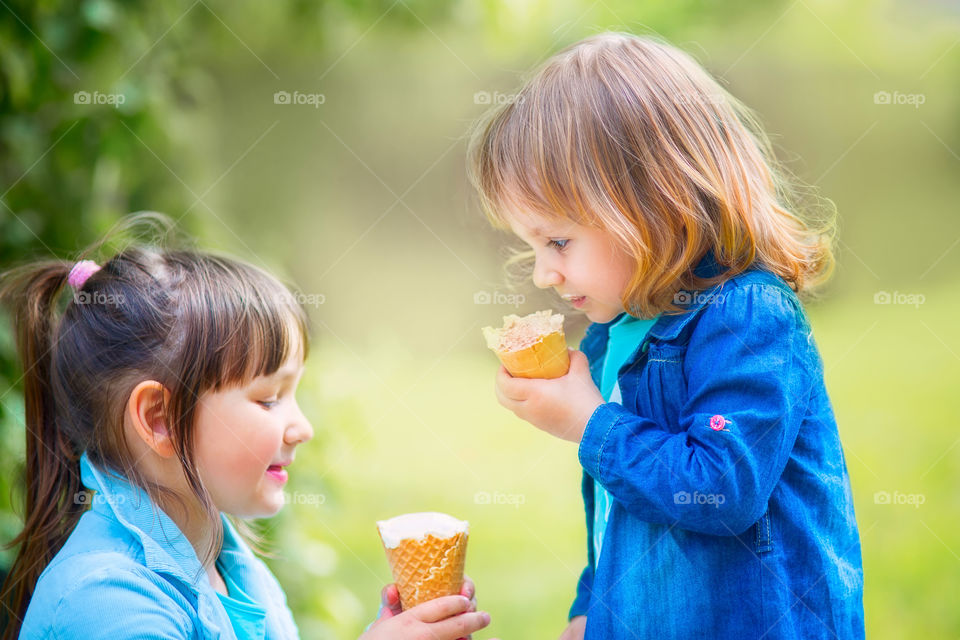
{"x": 732, "y": 515}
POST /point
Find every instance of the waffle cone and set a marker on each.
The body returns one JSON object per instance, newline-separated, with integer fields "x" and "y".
{"x": 532, "y": 346}
{"x": 428, "y": 568}
{"x": 547, "y": 358}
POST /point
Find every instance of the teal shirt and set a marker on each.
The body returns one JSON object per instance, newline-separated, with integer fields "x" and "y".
{"x": 626, "y": 334}
{"x": 247, "y": 618}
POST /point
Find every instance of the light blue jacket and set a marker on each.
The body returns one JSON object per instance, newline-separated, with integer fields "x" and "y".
{"x": 127, "y": 571}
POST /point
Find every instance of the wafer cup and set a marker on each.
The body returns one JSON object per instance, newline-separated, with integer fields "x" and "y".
{"x": 426, "y": 552}
{"x": 532, "y": 346}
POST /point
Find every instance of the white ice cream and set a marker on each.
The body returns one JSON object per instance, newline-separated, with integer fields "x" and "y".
{"x": 416, "y": 526}
{"x": 519, "y": 333}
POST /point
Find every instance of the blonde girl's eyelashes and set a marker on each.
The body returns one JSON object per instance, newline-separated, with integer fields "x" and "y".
{"x": 268, "y": 404}
{"x": 558, "y": 243}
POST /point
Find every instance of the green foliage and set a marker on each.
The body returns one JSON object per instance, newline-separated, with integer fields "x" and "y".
{"x": 69, "y": 168}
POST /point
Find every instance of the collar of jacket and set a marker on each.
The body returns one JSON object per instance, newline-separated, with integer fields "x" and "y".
{"x": 668, "y": 326}
{"x": 166, "y": 549}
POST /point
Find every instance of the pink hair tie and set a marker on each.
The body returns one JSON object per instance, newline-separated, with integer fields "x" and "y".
{"x": 81, "y": 272}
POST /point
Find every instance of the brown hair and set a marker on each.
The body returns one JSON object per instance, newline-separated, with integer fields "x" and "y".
{"x": 193, "y": 321}
{"x": 630, "y": 134}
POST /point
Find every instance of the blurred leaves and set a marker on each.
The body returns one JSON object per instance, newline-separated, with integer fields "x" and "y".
{"x": 102, "y": 113}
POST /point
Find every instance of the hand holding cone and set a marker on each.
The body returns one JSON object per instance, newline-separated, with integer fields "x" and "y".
{"x": 427, "y": 553}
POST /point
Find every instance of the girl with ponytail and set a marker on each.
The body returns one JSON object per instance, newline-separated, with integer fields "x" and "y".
{"x": 159, "y": 390}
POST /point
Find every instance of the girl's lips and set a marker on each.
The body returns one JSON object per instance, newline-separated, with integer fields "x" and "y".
{"x": 578, "y": 302}
{"x": 277, "y": 472}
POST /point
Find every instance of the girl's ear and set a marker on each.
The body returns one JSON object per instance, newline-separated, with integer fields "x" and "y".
{"x": 145, "y": 410}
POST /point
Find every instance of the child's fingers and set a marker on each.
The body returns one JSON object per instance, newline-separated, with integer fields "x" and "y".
{"x": 390, "y": 602}
{"x": 579, "y": 364}
{"x": 460, "y": 626}
{"x": 578, "y": 360}
{"x": 510, "y": 388}
{"x": 504, "y": 379}
{"x": 468, "y": 590}
{"x": 441, "y": 609}
{"x": 506, "y": 402}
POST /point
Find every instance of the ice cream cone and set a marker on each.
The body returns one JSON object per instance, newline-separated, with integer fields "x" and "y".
{"x": 426, "y": 552}
{"x": 533, "y": 346}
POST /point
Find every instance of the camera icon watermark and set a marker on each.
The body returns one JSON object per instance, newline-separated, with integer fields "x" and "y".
{"x": 299, "y": 98}
{"x": 86, "y": 97}
{"x": 486, "y": 97}
{"x": 898, "y": 498}
{"x": 912, "y": 99}
{"x": 99, "y": 298}
{"x": 898, "y": 297}
{"x": 514, "y": 500}
{"x": 697, "y": 498}
{"x": 696, "y": 298}
{"x": 91, "y": 498}
{"x": 497, "y": 297}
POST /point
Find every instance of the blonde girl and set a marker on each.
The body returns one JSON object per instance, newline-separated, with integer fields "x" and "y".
{"x": 715, "y": 488}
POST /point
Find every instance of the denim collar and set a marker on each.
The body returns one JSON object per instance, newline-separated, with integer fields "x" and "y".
{"x": 668, "y": 326}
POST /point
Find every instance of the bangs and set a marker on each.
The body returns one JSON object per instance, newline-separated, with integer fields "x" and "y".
{"x": 238, "y": 323}
{"x": 267, "y": 335}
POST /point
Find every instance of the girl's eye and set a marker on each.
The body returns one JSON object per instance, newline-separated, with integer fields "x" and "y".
{"x": 558, "y": 244}
{"x": 267, "y": 404}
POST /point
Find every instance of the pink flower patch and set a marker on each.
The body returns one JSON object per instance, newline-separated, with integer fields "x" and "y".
{"x": 718, "y": 423}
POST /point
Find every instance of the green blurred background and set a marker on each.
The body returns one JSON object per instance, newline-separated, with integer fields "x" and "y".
{"x": 355, "y": 191}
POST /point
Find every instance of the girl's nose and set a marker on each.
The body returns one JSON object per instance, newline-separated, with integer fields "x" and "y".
{"x": 299, "y": 430}
{"x": 545, "y": 276}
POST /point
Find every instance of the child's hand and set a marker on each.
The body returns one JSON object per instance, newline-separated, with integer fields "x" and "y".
{"x": 561, "y": 406}
{"x": 447, "y": 618}
{"x": 390, "y": 598}
{"x": 575, "y": 629}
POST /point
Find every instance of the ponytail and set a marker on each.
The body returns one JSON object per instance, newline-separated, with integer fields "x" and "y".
{"x": 52, "y": 462}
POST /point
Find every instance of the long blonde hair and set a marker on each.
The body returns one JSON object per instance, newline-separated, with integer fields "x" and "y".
{"x": 630, "y": 134}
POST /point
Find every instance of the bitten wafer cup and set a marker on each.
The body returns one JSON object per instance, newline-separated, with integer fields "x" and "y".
{"x": 532, "y": 346}
{"x": 426, "y": 552}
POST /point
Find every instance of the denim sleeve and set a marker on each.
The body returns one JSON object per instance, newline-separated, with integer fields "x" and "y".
{"x": 584, "y": 589}
{"x": 109, "y": 604}
{"x": 748, "y": 376}
{"x": 585, "y": 584}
